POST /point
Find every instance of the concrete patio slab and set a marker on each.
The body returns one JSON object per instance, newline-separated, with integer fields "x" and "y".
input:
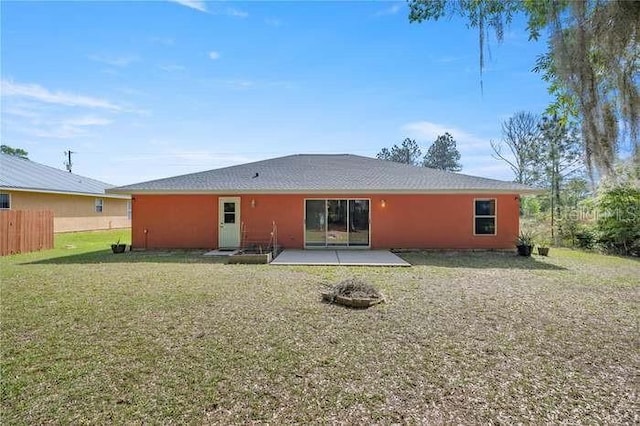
{"x": 306, "y": 257}
{"x": 370, "y": 257}
{"x": 339, "y": 257}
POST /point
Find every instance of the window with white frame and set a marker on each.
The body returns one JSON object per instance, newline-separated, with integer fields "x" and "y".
{"x": 99, "y": 205}
{"x": 5, "y": 201}
{"x": 484, "y": 218}
{"x": 129, "y": 209}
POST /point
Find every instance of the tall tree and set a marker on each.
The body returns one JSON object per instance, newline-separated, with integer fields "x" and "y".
{"x": 521, "y": 136}
{"x": 443, "y": 154}
{"x": 592, "y": 66}
{"x": 561, "y": 154}
{"x": 408, "y": 152}
{"x": 17, "y": 152}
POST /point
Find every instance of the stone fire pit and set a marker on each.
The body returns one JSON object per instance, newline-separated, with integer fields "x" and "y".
{"x": 353, "y": 293}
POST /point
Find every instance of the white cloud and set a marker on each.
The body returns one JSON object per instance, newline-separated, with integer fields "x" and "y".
{"x": 63, "y": 128}
{"x": 429, "y": 131}
{"x": 236, "y": 12}
{"x": 475, "y": 151}
{"x": 87, "y": 121}
{"x": 38, "y": 93}
{"x": 214, "y": 55}
{"x": 19, "y": 111}
{"x": 37, "y": 112}
{"x": 115, "y": 61}
{"x": 199, "y": 5}
{"x": 391, "y": 10}
{"x": 487, "y": 167}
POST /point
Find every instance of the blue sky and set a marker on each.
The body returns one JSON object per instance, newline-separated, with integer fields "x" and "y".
{"x": 143, "y": 90}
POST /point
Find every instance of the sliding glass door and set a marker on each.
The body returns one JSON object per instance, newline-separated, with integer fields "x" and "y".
{"x": 316, "y": 223}
{"x": 337, "y": 223}
{"x": 337, "y": 232}
{"x": 358, "y": 222}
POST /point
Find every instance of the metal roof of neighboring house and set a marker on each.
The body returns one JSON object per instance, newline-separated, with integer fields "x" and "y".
{"x": 322, "y": 173}
{"x": 21, "y": 174}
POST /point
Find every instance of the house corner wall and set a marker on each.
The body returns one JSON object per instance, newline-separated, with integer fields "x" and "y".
{"x": 174, "y": 221}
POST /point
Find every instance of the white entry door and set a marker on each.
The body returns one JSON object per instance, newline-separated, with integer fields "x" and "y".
{"x": 229, "y": 220}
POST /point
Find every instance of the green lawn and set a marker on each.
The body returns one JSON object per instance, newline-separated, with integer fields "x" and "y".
{"x": 92, "y": 337}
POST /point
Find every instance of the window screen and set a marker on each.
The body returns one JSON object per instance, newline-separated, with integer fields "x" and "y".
{"x": 485, "y": 217}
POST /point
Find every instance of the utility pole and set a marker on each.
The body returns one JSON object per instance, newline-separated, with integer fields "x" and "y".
{"x": 68, "y": 164}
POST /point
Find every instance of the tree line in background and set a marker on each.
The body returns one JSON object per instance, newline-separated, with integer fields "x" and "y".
{"x": 442, "y": 154}
{"x": 546, "y": 152}
{"x": 543, "y": 152}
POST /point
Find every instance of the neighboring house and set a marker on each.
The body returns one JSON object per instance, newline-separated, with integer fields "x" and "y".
{"x": 78, "y": 203}
{"x": 326, "y": 201}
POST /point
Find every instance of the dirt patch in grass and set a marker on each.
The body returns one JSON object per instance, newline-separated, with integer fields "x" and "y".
{"x": 162, "y": 342}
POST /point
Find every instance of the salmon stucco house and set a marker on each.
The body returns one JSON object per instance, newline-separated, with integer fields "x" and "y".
{"x": 78, "y": 203}
{"x": 328, "y": 201}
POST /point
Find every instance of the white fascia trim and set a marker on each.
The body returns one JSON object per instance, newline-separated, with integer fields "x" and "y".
{"x": 83, "y": 194}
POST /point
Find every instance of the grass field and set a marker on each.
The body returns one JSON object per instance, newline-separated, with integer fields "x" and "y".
{"x": 92, "y": 337}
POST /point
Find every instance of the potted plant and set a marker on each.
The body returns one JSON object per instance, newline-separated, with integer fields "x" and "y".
{"x": 543, "y": 248}
{"x": 524, "y": 243}
{"x": 117, "y": 247}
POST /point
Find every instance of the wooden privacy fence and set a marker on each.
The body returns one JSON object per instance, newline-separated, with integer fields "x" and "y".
{"x": 22, "y": 231}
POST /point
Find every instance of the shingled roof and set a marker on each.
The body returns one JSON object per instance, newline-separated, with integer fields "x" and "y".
{"x": 20, "y": 174}
{"x": 314, "y": 173}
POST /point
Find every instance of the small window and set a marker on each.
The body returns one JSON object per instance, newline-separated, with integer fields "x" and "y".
{"x": 5, "y": 201}
{"x": 484, "y": 217}
{"x": 129, "y": 209}
{"x": 99, "y": 205}
{"x": 229, "y": 212}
